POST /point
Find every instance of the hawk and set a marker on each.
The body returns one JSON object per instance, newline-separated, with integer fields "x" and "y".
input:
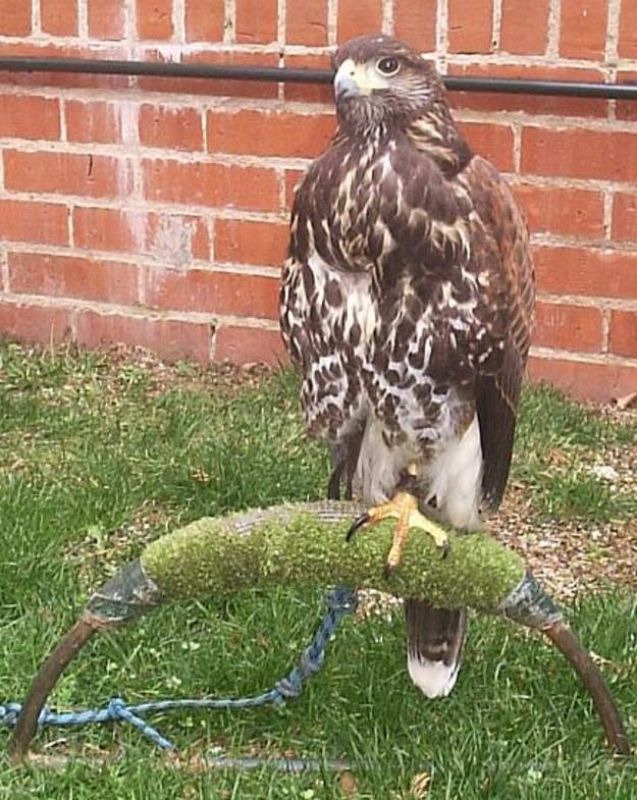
{"x": 406, "y": 302}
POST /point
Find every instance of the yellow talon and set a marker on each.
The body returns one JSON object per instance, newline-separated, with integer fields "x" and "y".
{"x": 404, "y": 508}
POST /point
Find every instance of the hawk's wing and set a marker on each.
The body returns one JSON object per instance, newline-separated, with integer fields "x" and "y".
{"x": 498, "y": 392}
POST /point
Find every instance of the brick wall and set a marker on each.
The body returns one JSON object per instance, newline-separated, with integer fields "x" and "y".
{"x": 154, "y": 211}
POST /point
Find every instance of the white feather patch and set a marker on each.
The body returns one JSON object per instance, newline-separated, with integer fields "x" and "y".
{"x": 455, "y": 476}
{"x": 433, "y": 678}
{"x": 379, "y": 465}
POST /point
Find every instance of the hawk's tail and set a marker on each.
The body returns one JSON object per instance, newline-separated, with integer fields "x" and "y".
{"x": 435, "y": 638}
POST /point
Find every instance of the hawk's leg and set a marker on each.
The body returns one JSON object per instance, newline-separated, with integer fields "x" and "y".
{"x": 345, "y": 454}
{"x": 403, "y": 507}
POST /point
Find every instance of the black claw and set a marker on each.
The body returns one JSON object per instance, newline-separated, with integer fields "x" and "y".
{"x": 388, "y": 571}
{"x": 446, "y": 549}
{"x": 361, "y": 520}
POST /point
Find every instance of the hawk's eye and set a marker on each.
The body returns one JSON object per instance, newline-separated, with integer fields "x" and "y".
{"x": 388, "y": 66}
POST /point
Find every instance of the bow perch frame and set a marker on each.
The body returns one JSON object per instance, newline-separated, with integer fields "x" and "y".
{"x": 298, "y": 545}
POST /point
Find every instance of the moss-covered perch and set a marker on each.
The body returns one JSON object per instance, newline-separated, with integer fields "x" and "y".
{"x": 208, "y": 558}
{"x": 304, "y": 545}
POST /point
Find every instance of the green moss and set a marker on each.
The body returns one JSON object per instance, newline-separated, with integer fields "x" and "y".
{"x": 207, "y": 558}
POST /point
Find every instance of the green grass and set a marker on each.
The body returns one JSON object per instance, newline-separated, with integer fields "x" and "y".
{"x": 95, "y": 460}
{"x": 556, "y": 443}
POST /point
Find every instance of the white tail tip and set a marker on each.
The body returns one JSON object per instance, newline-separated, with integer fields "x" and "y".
{"x": 433, "y": 678}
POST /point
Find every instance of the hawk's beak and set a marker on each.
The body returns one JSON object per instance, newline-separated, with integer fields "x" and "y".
{"x": 347, "y": 80}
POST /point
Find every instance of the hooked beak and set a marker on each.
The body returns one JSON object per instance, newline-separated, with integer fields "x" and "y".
{"x": 345, "y": 81}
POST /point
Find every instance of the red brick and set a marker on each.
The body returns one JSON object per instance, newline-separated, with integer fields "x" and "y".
{"x": 27, "y": 117}
{"x": 155, "y": 19}
{"x": 171, "y": 339}
{"x": 494, "y": 142}
{"x": 625, "y": 218}
{"x": 33, "y": 323}
{"x": 524, "y": 27}
{"x": 623, "y": 333}
{"x": 59, "y": 17}
{"x": 256, "y": 21}
{"x": 530, "y": 104}
{"x": 306, "y": 23}
{"x": 569, "y": 212}
{"x": 293, "y": 178}
{"x": 106, "y": 19}
{"x": 93, "y": 121}
{"x": 627, "y": 44}
{"x": 279, "y": 133}
{"x": 15, "y": 17}
{"x": 221, "y": 87}
{"x": 65, "y": 276}
{"x": 568, "y": 327}
{"x": 37, "y": 49}
{"x": 627, "y": 109}
{"x": 583, "y": 28}
{"x": 34, "y": 222}
{"x": 251, "y": 188}
{"x": 356, "y": 17}
{"x": 243, "y": 241}
{"x": 585, "y": 381}
{"x": 204, "y": 20}
{"x": 176, "y": 238}
{"x": 309, "y": 92}
{"x": 580, "y": 153}
{"x": 416, "y": 23}
{"x": 470, "y": 26}
{"x": 589, "y": 271}
{"x": 67, "y": 173}
{"x": 176, "y": 128}
{"x": 213, "y": 292}
{"x": 245, "y": 345}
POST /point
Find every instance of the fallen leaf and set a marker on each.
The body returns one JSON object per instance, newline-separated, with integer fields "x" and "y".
{"x": 627, "y": 401}
{"x": 556, "y": 457}
{"x": 420, "y": 784}
{"x": 348, "y": 784}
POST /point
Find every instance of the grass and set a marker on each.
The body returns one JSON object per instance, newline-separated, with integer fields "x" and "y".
{"x": 556, "y": 443}
{"x": 98, "y": 457}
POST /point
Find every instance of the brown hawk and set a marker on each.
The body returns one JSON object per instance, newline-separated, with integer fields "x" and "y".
{"x": 406, "y": 302}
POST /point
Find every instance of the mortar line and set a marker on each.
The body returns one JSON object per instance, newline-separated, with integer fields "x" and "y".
{"x": 442, "y": 36}
{"x": 36, "y": 19}
{"x": 332, "y": 22}
{"x": 281, "y": 34}
{"x": 602, "y": 359}
{"x": 179, "y": 21}
{"x": 553, "y": 39}
{"x": 230, "y": 22}
{"x": 608, "y": 214}
{"x": 496, "y": 24}
{"x": 387, "y": 24}
{"x": 82, "y": 19}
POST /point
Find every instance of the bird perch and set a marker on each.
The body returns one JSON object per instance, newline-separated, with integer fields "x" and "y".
{"x": 303, "y": 545}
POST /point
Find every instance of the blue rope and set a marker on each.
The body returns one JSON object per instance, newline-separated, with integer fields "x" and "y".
{"x": 340, "y": 601}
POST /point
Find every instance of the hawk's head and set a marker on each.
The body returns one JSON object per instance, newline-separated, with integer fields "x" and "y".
{"x": 382, "y": 80}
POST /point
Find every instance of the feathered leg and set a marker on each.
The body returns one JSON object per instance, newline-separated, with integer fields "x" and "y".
{"x": 345, "y": 454}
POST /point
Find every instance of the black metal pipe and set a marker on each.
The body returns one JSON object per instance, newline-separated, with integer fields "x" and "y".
{"x": 609, "y": 91}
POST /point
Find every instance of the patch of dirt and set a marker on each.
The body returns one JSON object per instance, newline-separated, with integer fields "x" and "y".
{"x": 568, "y": 558}
{"x": 224, "y": 377}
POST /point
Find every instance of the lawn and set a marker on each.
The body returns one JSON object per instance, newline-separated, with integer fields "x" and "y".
{"x": 101, "y": 453}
